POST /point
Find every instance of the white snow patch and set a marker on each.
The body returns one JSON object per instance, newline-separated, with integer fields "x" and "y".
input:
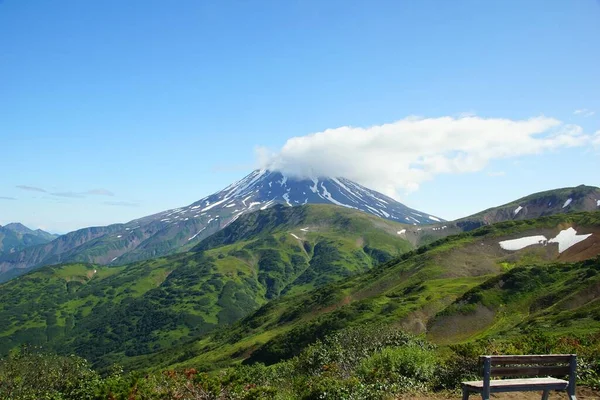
{"x": 331, "y": 199}
{"x": 286, "y": 197}
{"x": 521, "y": 243}
{"x": 517, "y": 210}
{"x": 375, "y": 211}
{"x": 119, "y": 236}
{"x": 230, "y": 205}
{"x": 295, "y": 236}
{"x": 314, "y": 188}
{"x": 270, "y": 184}
{"x": 346, "y": 188}
{"x": 214, "y": 204}
{"x": 304, "y": 229}
{"x": 195, "y": 207}
{"x": 567, "y": 238}
{"x": 113, "y": 259}
{"x": 400, "y": 232}
{"x": 283, "y": 180}
{"x": 267, "y": 204}
{"x": 254, "y": 203}
{"x": 597, "y": 203}
{"x": 569, "y": 200}
{"x": 197, "y": 233}
{"x": 433, "y": 218}
{"x": 384, "y": 213}
{"x": 244, "y": 201}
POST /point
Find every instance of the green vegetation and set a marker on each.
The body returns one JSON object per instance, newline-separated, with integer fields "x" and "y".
{"x": 364, "y": 362}
{"x": 314, "y": 300}
{"x": 122, "y": 314}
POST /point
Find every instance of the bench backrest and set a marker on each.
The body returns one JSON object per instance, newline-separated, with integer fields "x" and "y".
{"x": 529, "y": 365}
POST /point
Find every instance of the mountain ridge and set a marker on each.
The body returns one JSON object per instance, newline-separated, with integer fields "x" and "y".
{"x": 16, "y": 236}
{"x": 179, "y": 229}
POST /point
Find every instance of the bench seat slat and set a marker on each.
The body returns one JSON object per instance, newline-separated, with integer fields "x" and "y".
{"x": 517, "y": 385}
{"x": 530, "y": 371}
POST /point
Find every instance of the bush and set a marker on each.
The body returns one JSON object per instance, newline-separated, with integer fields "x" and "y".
{"x": 412, "y": 365}
{"x": 33, "y": 375}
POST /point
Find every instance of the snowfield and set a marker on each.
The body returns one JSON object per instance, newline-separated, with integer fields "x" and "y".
{"x": 566, "y": 238}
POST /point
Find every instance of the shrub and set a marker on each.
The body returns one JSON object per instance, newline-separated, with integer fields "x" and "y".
{"x": 30, "y": 374}
{"x": 412, "y": 365}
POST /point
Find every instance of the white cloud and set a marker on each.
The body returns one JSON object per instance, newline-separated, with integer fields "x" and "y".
{"x": 496, "y": 173}
{"x": 596, "y": 139}
{"x": 584, "y": 112}
{"x": 399, "y": 156}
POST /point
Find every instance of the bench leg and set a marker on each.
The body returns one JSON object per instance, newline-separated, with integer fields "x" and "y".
{"x": 465, "y": 393}
{"x": 545, "y": 395}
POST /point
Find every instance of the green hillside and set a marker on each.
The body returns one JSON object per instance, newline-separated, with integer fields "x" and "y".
{"x": 408, "y": 293}
{"x": 109, "y": 314}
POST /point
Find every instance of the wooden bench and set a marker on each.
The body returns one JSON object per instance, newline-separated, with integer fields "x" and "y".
{"x": 532, "y": 365}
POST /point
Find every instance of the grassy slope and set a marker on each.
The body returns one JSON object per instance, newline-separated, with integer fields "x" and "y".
{"x": 561, "y": 298}
{"x": 111, "y": 313}
{"x": 407, "y": 292}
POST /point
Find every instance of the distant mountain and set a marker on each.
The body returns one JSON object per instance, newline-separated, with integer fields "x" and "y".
{"x": 180, "y": 229}
{"x": 139, "y": 308}
{"x": 16, "y": 236}
{"x": 550, "y": 202}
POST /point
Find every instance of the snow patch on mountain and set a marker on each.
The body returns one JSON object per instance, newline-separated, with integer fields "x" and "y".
{"x": 566, "y": 238}
{"x": 569, "y": 200}
{"x": 517, "y": 210}
{"x": 521, "y": 243}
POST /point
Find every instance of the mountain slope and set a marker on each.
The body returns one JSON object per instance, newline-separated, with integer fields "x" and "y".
{"x": 15, "y": 237}
{"x": 407, "y": 292}
{"x": 550, "y": 202}
{"x": 108, "y": 313}
{"x": 180, "y": 229}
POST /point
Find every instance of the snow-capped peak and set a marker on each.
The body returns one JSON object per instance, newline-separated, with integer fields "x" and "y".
{"x": 263, "y": 188}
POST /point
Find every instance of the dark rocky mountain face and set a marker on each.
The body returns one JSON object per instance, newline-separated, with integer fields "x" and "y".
{"x": 180, "y": 229}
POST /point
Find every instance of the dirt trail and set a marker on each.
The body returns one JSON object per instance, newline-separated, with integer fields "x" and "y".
{"x": 582, "y": 394}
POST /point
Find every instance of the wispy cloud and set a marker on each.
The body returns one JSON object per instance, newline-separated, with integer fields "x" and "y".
{"x": 7, "y": 198}
{"x": 584, "y": 112}
{"x": 121, "y": 204}
{"x": 398, "y": 157}
{"x": 31, "y": 188}
{"x": 71, "y": 195}
{"x": 100, "y": 192}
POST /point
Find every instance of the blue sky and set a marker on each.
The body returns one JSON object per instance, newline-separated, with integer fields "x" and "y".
{"x": 119, "y": 109}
